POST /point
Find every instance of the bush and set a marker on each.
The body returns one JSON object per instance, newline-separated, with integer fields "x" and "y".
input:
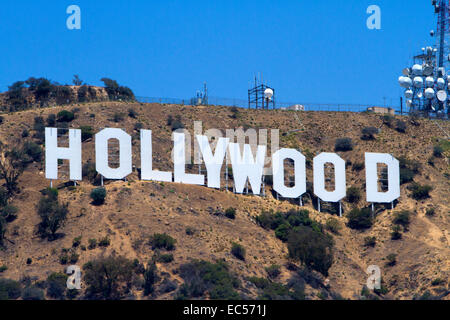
{"x": 65, "y": 116}
{"x": 164, "y": 258}
{"x": 360, "y": 218}
{"x": 86, "y": 133}
{"x": 51, "y": 120}
{"x": 118, "y": 117}
{"x": 9, "y": 212}
{"x": 76, "y": 242}
{"x": 201, "y": 277}
{"x": 108, "y": 278}
{"x": 333, "y": 225}
{"x": 343, "y": 144}
{"x": 388, "y": 120}
{"x": 238, "y": 251}
{"x": 282, "y": 232}
{"x": 311, "y": 248}
{"x": 33, "y": 150}
{"x": 150, "y": 278}
{"x": 9, "y": 289}
{"x": 400, "y": 126}
{"x": 396, "y": 233}
{"x": 230, "y": 213}
{"x": 368, "y": 133}
{"x": 162, "y": 241}
{"x": 177, "y": 124}
{"x": 104, "y": 242}
{"x": 190, "y": 231}
{"x": 98, "y": 196}
{"x": 402, "y": 218}
{"x": 132, "y": 113}
{"x": 92, "y": 244}
{"x": 269, "y": 220}
{"x": 430, "y": 212}
{"x": 52, "y": 213}
{"x": 273, "y": 271}
{"x": 370, "y": 241}
{"x": 419, "y": 192}
{"x": 438, "y": 151}
{"x": 56, "y": 285}
{"x": 391, "y": 260}
{"x": 353, "y": 195}
{"x": 33, "y": 293}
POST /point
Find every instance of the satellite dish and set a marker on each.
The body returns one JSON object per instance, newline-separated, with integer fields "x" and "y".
{"x": 418, "y": 82}
{"x": 442, "y": 95}
{"x": 440, "y": 83}
{"x": 406, "y": 72}
{"x": 408, "y": 103}
{"x": 408, "y": 94}
{"x": 429, "y": 93}
{"x": 428, "y": 70}
{"x": 405, "y": 82}
{"x": 268, "y": 94}
{"x": 429, "y": 82}
{"x": 417, "y": 69}
{"x": 419, "y": 95}
{"x": 432, "y": 33}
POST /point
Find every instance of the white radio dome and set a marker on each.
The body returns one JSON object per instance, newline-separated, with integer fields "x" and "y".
{"x": 268, "y": 93}
{"x": 408, "y": 103}
{"x": 408, "y": 94}
{"x": 429, "y": 81}
{"x": 441, "y": 95}
{"x": 429, "y": 93}
{"x": 417, "y": 69}
{"x": 418, "y": 82}
{"x": 440, "y": 83}
{"x": 405, "y": 82}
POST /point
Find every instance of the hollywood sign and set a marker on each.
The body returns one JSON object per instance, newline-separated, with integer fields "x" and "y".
{"x": 247, "y": 168}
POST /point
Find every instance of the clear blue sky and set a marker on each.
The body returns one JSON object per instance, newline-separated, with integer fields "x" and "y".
{"x": 309, "y": 51}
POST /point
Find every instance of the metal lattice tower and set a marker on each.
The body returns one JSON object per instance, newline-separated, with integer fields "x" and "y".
{"x": 441, "y": 8}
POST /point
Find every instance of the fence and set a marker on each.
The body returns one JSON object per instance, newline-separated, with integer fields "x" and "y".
{"x": 242, "y": 103}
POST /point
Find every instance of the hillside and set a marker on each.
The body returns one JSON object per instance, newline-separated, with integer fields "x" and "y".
{"x": 134, "y": 210}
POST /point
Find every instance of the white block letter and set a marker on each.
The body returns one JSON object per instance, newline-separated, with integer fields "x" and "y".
{"x": 179, "y": 160}
{"x": 214, "y": 162}
{"x": 53, "y": 153}
{"x": 245, "y": 167}
{"x": 101, "y": 153}
{"x": 372, "y": 194}
{"x": 147, "y": 172}
{"x": 74, "y": 20}
{"x": 278, "y": 173}
{"x": 339, "y": 177}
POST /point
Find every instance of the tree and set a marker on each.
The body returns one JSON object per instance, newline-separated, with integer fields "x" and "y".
{"x": 98, "y": 196}
{"x": 52, "y": 213}
{"x": 368, "y": 133}
{"x": 108, "y": 278}
{"x": 76, "y": 80}
{"x": 150, "y": 278}
{"x": 360, "y": 218}
{"x": 343, "y": 144}
{"x": 11, "y": 167}
{"x": 311, "y": 248}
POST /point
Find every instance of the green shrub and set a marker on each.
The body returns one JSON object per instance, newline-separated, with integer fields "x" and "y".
{"x": 311, "y": 248}
{"x": 150, "y": 278}
{"x": 104, "y": 242}
{"x": 230, "y": 213}
{"x": 3, "y": 268}
{"x": 333, "y": 225}
{"x": 74, "y": 257}
{"x": 402, "y": 218}
{"x": 76, "y": 242}
{"x": 132, "y": 113}
{"x": 33, "y": 293}
{"x": 118, "y": 117}
{"x": 282, "y": 232}
{"x": 360, "y": 218}
{"x": 33, "y": 150}
{"x": 238, "y": 251}
{"x": 164, "y": 258}
{"x": 388, "y": 120}
{"x": 400, "y": 126}
{"x": 370, "y": 241}
{"x": 201, "y": 277}
{"x": 343, "y": 144}
{"x": 419, "y": 192}
{"x": 358, "y": 166}
{"x": 391, "y": 260}
{"x": 438, "y": 151}
{"x": 353, "y": 195}
{"x": 273, "y": 271}
{"x": 430, "y": 212}
{"x": 56, "y": 285}
{"x": 162, "y": 241}
{"x": 396, "y": 232}
{"x": 92, "y": 244}
{"x": 86, "y": 133}
{"x": 98, "y": 196}
{"x": 9, "y": 212}
{"x": 51, "y": 120}
{"x": 269, "y": 220}
{"x": 9, "y": 289}
{"x": 65, "y": 116}
{"x": 108, "y": 278}
{"x": 52, "y": 213}
{"x": 368, "y": 133}
{"x": 190, "y": 231}
{"x": 29, "y": 261}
